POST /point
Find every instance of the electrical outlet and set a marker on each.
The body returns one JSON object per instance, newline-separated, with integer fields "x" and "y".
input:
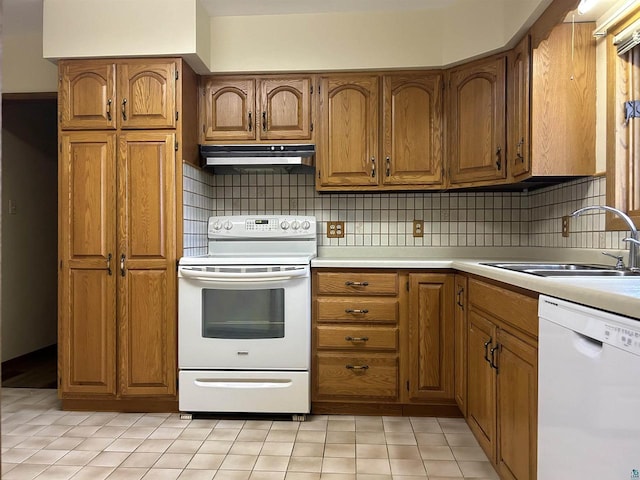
{"x": 565, "y": 226}
{"x": 418, "y": 228}
{"x": 335, "y": 229}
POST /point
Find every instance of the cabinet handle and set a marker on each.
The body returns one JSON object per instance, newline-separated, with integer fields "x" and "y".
{"x": 519, "y": 150}
{"x": 250, "y": 124}
{"x": 122, "y": 259}
{"x": 486, "y": 349}
{"x": 124, "y": 109}
{"x": 356, "y": 367}
{"x": 388, "y": 161}
{"x": 264, "y": 121}
{"x": 356, "y": 339}
{"x": 109, "y": 265}
{"x": 492, "y": 362}
{"x": 499, "y": 158}
{"x": 352, "y": 310}
{"x": 109, "y": 109}
{"x": 460, "y": 292}
{"x": 373, "y": 167}
{"x": 356, "y": 284}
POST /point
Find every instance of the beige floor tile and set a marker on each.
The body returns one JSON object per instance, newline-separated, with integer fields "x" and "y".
{"x": 109, "y": 459}
{"x": 301, "y": 449}
{"x": 110, "y": 432}
{"x": 46, "y": 457}
{"x": 224, "y": 434}
{"x": 305, "y": 464}
{"x": 369, "y": 425}
{"x": 93, "y": 473}
{"x": 371, "y": 451}
{"x": 277, "y": 448}
{"x": 9, "y": 441}
{"x": 442, "y": 468}
{"x": 406, "y": 467}
{"x": 340, "y": 437}
{"x": 436, "y": 452}
{"x": 124, "y": 445}
{"x": 259, "y": 475}
{"x": 311, "y": 436}
{"x": 216, "y": 446}
{"x": 206, "y": 461}
{"x": 138, "y": 432}
{"x": 17, "y": 455}
{"x": 246, "y": 448}
{"x": 149, "y": 421}
{"x": 77, "y": 457}
{"x": 86, "y": 431}
{"x": 369, "y": 476}
{"x": 478, "y": 469}
{"x": 174, "y": 460}
{"x": 185, "y": 446}
{"x": 154, "y": 445}
{"x": 197, "y": 475}
{"x": 232, "y": 475}
{"x": 36, "y": 442}
{"x": 425, "y": 425}
{"x": 258, "y": 424}
{"x": 431, "y": 439}
{"x": 252, "y": 435}
{"x": 337, "y": 476}
{"x": 461, "y": 439}
{"x": 345, "y": 450}
{"x": 59, "y": 472}
{"x": 469, "y": 454}
{"x": 281, "y": 435}
{"x": 396, "y": 427}
{"x": 314, "y": 423}
{"x": 302, "y": 475}
{"x": 341, "y": 425}
{"x": 195, "y": 433}
{"x": 280, "y": 425}
{"x": 24, "y": 472}
{"x": 233, "y": 424}
{"x": 338, "y": 465}
{"x": 132, "y": 473}
{"x": 270, "y": 463}
{"x": 375, "y": 438}
{"x": 7, "y": 467}
{"x": 141, "y": 460}
{"x": 166, "y": 433}
{"x": 239, "y": 462}
{"x": 162, "y": 474}
{"x": 400, "y": 438}
{"x": 405, "y": 452}
{"x": 373, "y": 466}
{"x": 94, "y": 444}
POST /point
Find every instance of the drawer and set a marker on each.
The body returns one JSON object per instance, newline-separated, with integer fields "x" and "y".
{"x": 511, "y": 307}
{"x": 359, "y": 283}
{"x": 357, "y": 338}
{"x": 357, "y": 310}
{"x": 374, "y": 376}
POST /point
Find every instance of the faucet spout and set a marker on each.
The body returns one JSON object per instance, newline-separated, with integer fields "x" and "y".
{"x": 633, "y": 240}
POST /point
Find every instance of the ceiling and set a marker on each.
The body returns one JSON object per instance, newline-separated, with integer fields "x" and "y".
{"x": 221, "y": 8}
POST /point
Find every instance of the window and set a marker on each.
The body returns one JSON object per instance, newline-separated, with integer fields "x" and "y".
{"x": 623, "y": 126}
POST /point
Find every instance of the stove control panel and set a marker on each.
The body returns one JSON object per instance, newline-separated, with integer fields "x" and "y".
{"x": 267, "y": 226}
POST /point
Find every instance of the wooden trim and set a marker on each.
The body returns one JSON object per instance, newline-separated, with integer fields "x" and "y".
{"x": 37, "y": 96}
{"x": 552, "y": 16}
{"x": 396, "y": 409}
{"x": 141, "y": 405}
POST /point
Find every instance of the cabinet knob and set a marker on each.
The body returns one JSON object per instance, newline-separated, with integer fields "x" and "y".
{"x": 357, "y": 367}
{"x": 356, "y": 284}
{"x": 354, "y": 310}
{"x": 349, "y": 338}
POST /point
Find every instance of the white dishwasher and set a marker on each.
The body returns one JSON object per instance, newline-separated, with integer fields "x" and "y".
{"x": 588, "y": 393}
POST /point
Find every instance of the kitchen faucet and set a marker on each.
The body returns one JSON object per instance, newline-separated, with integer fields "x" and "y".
{"x": 633, "y": 241}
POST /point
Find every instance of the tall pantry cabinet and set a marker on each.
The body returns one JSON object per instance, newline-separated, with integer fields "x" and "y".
{"x": 124, "y": 129}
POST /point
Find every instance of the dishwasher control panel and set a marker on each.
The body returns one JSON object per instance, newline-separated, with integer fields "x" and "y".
{"x": 622, "y": 337}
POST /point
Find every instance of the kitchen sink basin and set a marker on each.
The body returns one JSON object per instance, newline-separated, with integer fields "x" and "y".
{"x": 565, "y": 269}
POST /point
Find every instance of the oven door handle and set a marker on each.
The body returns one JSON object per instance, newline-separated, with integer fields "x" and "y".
{"x": 244, "y": 276}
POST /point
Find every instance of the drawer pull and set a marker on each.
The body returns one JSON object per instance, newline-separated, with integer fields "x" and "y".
{"x": 356, "y": 339}
{"x": 356, "y": 367}
{"x": 355, "y": 310}
{"x": 356, "y": 284}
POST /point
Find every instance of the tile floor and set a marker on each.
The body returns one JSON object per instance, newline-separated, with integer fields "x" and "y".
{"x": 39, "y": 441}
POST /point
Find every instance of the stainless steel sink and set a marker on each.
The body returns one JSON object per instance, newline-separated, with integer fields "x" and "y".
{"x": 565, "y": 269}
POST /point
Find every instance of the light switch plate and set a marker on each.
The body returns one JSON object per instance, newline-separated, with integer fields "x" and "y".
{"x": 565, "y": 226}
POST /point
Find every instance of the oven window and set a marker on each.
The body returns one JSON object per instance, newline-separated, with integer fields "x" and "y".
{"x": 243, "y": 313}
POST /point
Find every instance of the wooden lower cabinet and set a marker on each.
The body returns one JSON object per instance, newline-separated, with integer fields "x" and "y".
{"x": 382, "y": 342}
{"x": 461, "y": 331}
{"x": 502, "y": 376}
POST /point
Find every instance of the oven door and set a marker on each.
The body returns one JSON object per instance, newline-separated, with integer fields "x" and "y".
{"x": 244, "y": 317}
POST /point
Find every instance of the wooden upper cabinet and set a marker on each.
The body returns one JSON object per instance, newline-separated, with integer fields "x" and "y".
{"x": 229, "y": 109}
{"x": 98, "y": 94}
{"x": 87, "y": 95}
{"x": 256, "y": 108}
{"x": 412, "y": 126}
{"x": 347, "y": 154}
{"x": 285, "y": 108}
{"x": 477, "y": 133}
{"x": 147, "y": 95}
{"x": 518, "y": 111}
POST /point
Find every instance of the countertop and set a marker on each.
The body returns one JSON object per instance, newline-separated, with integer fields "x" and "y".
{"x": 619, "y": 295}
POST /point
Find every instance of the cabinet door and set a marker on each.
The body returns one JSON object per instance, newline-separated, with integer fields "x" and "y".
{"x": 228, "y": 111}
{"x": 412, "y": 126}
{"x": 348, "y": 146}
{"x": 147, "y": 94}
{"x": 431, "y": 330}
{"x": 285, "y": 108}
{"x": 460, "y": 336}
{"x": 517, "y": 397}
{"x": 518, "y": 108}
{"x": 87, "y": 275}
{"x": 87, "y": 95}
{"x": 478, "y": 116}
{"x": 147, "y": 262}
{"x": 481, "y": 383}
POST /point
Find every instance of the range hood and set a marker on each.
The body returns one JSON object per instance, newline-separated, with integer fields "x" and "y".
{"x": 258, "y": 158}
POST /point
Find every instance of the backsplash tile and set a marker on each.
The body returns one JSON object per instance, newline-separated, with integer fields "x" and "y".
{"x": 386, "y": 219}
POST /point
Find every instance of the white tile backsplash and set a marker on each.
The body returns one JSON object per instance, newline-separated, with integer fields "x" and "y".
{"x": 386, "y": 219}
